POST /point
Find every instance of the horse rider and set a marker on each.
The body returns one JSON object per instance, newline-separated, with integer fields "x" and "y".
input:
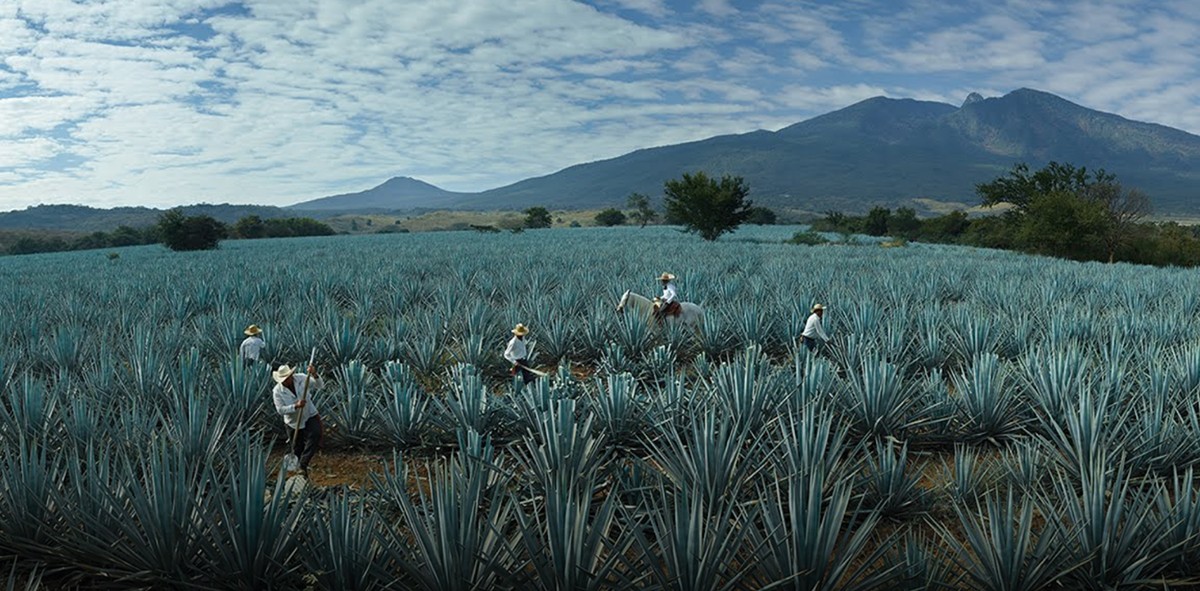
{"x": 669, "y": 300}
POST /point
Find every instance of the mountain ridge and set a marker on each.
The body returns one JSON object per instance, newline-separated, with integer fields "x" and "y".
{"x": 886, "y": 151}
{"x": 878, "y": 151}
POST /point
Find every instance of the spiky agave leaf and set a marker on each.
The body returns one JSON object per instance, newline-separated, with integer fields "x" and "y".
{"x": 456, "y": 535}
{"x": 569, "y": 537}
{"x": 715, "y": 457}
{"x": 1115, "y": 530}
{"x": 345, "y": 548}
{"x": 686, "y": 543}
{"x": 806, "y": 541}
{"x": 1001, "y": 549}
{"x": 251, "y": 527}
{"x": 619, "y": 409}
{"x": 988, "y": 409}
{"x": 892, "y": 485}
{"x": 1178, "y": 504}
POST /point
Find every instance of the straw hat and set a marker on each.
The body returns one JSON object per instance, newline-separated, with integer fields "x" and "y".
{"x": 817, "y": 307}
{"x": 666, "y": 277}
{"x": 520, "y": 330}
{"x": 283, "y": 373}
{"x": 252, "y": 330}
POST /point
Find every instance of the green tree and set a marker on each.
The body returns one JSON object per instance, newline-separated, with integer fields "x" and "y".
{"x": 198, "y": 232}
{"x": 876, "y": 223}
{"x": 127, "y": 236}
{"x": 706, "y": 206}
{"x": 250, "y": 226}
{"x": 537, "y": 217}
{"x": 1063, "y": 224}
{"x": 762, "y": 216}
{"x": 643, "y": 214}
{"x": 610, "y": 217}
{"x": 904, "y": 224}
{"x": 1020, "y": 187}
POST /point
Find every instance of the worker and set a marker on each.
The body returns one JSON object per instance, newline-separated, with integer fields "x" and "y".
{"x": 516, "y": 353}
{"x": 293, "y": 399}
{"x": 251, "y": 348}
{"x": 814, "y": 328}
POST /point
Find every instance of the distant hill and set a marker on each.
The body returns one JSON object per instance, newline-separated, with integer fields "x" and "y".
{"x": 879, "y": 151}
{"x": 888, "y": 151}
{"x": 401, "y": 193}
{"x": 80, "y": 218}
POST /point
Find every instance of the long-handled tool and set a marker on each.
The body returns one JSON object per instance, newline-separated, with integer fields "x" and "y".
{"x": 535, "y": 372}
{"x": 290, "y": 461}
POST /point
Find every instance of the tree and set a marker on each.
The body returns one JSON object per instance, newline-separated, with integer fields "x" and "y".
{"x": 762, "y": 216}
{"x": 250, "y": 226}
{"x": 198, "y": 232}
{"x": 537, "y": 217}
{"x": 1125, "y": 209}
{"x": 706, "y": 206}
{"x": 904, "y": 224}
{"x": 1063, "y": 224}
{"x": 876, "y": 223}
{"x": 610, "y": 217}
{"x": 1020, "y": 187}
{"x": 643, "y": 214}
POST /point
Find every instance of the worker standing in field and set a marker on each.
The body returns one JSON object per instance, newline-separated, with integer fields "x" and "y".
{"x": 297, "y": 410}
{"x": 516, "y": 353}
{"x": 814, "y": 328}
{"x": 669, "y": 300}
{"x": 251, "y": 349}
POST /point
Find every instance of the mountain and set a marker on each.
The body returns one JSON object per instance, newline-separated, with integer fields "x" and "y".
{"x": 885, "y": 151}
{"x": 396, "y": 194}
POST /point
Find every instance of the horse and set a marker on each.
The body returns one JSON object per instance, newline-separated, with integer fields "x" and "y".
{"x": 691, "y": 315}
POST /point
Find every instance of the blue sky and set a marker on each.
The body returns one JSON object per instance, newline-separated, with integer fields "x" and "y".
{"x": 166, "y": 102}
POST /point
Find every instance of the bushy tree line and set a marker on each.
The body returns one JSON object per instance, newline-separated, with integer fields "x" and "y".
{"x": 176, "y": 231}
{"x": 1059, "y": 211}
{"x": 122, "y": 236}
{"x": 202, "y": 232}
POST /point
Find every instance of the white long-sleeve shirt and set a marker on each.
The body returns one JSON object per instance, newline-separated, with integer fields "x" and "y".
{"x": 515, "y": 350}
{"x": 669, "y": 293}
{"x": 251, "y": 347}
{"x": 814, "y": 328}
{"x": 285, "y": 400}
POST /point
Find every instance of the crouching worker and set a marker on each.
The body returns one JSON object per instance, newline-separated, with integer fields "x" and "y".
{"x": 293, "y": 399}
{"x": 516, "y": 353}
{"x": 814, "y": 329}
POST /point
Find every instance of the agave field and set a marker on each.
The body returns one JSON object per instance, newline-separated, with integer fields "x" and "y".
{"x": 981, "y": 420}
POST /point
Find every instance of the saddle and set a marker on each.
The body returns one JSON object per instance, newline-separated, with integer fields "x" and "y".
{"x": 672, "y": 309}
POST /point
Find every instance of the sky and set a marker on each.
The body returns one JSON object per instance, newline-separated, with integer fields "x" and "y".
{"x": 168, "y": 102}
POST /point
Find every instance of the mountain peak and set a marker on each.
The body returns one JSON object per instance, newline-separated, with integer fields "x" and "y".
{"x": 974, "y": 97}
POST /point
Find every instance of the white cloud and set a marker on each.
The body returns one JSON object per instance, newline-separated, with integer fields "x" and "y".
{"x": 284, "y": 100}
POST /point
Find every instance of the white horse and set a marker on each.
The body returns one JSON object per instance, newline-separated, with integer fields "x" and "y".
{"x": 691, "y": 315}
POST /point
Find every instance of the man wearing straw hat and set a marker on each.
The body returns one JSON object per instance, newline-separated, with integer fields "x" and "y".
{"x": 814, "y": 329}
{"x": 669, "y": 300}
{"x": 297, "y": 410}
{"x": 251, "y": 348}
{"x": 516, "y": 353}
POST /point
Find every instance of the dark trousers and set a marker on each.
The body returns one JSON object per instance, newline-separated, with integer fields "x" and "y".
{"x": 526, "y": 375}
{"x": 810, "y": 343}
{"x": 308, "y": 441}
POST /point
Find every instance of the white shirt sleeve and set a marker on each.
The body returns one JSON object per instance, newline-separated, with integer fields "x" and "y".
{"x": 515, "y": 350}
{"x": 669, "y": 294}
{"x": 814, "y": 328}
{"x": 285, "y": 400}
